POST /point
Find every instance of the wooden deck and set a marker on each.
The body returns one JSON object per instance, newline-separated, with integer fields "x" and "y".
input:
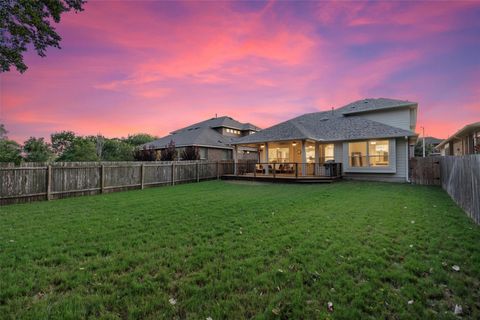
{"x": 280, "y": 178}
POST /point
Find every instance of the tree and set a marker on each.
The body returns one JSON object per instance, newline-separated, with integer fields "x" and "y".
{"x": 37, "y": 150}
{"x": 80, "y": 149}
{"x": 99, "y": 145}
{"x": 145, "y": 154}
{"x": 24, "y": 22}
{"x": 10, "y": 151}
{"x": 3, "y": 132}
{"x": 419, "y": 148}
{"x": 61, "y": 141}
{"x": 139, "y": 139}
{"x": 190, "y": 153}
{"x": 117, "y": 150}
{"x": 169, "y": 153}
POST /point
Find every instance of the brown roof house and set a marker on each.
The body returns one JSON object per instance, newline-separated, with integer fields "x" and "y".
{"x": 212, "y": 138}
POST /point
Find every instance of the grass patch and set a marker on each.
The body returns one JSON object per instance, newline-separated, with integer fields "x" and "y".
{"x": 235, "y": 251}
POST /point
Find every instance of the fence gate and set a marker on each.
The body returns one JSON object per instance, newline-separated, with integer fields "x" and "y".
{"x": 425, "y": 171}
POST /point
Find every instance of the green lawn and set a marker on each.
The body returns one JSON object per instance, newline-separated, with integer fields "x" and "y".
{"x": 240, "y": 250}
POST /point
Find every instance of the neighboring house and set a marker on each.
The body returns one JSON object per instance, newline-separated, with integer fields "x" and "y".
{"x": 431, "y": 144}
{"x": 212, "y": 137}
{"x": 434, "y": 142}
{"x": 372, "y": 138}
{"x": 464, "y": 141}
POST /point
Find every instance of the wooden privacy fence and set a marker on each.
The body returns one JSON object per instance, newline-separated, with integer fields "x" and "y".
{"x": 425, "y": 171}
{"x": 459, "y": 176}
{"x": 46, "y": 181}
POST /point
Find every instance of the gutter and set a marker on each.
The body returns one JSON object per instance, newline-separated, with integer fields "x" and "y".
{"x": 407, "y": 178}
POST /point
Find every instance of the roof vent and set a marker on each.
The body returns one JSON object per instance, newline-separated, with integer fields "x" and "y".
{"x": 323, "y": 119}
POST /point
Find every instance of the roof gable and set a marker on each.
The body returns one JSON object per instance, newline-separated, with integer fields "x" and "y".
{"x": 371, "y": 105}
{"x": 219, "y": 122}
{"x": 196, "y": 136}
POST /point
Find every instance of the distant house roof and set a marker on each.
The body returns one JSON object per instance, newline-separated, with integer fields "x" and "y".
{"x": 326, "y": 126}
{"x": 219, "y": 122}
{"x": 368, "y": 105}
{"x": 202, "y": 134}
{"x": 459, "y": 133}
{"x": 432, "y": 140}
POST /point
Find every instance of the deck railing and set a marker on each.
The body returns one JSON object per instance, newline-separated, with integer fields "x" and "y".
{"x": 290, "y": 169}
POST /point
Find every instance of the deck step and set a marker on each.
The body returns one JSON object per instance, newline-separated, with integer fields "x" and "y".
{"x": 303, "y": 180}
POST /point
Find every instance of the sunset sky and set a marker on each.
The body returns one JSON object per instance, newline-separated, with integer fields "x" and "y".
{"x": 133, "y": 66}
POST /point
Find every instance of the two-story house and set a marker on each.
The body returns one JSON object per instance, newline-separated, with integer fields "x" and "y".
{"x": 212, "y": 137}
{"x": 372, "y": 138}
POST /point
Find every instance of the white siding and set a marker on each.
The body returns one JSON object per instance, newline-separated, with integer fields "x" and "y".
{"x": 399, "y": 118}
{"x": 338, "y": 151}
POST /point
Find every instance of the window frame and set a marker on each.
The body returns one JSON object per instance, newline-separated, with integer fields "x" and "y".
{"x": 390, "y": 168}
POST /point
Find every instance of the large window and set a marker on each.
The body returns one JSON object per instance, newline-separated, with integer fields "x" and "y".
{"x": 358, "y": 154}
{"x": 378, "y": 153}
{"x": 279, "y": 154}
{"x": 374, "y": 153}
{"x": 310, "y": 152}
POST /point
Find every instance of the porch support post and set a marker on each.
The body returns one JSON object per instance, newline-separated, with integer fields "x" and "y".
{"x": 266, "y": 157}
{"x": 304, "y": 158}
{"x": 317, "y": 157}
{"x": 235, "y": 160}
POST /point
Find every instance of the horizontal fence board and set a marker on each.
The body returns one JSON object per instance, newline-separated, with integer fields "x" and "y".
{"x": 30, "y": 181}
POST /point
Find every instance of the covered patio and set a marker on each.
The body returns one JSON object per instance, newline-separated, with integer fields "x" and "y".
{"x": 305, "y": 160}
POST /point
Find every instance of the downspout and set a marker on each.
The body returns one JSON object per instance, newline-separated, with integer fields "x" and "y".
{"x": 407, "y": 178}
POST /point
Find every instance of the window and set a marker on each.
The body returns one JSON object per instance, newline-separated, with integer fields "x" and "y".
{"x": 378, "y": 153}
{"x": 203, "y": 153}
{"x": 281, "y": 154}
{"x": 310, "y": 152}
{"x": 358, "y": 154}
{"x": 326, "y": 153}
{"x": 374, "y": 153}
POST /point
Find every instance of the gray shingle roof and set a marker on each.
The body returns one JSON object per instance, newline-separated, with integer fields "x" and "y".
{"x": 202, "y": 134}
{"x": 325, "y": 126}
{"x": 432, "y": 140}
{"x": 193, "y": 137}
{"x": 223, "y": 121}
{"x": 367, "y": 105}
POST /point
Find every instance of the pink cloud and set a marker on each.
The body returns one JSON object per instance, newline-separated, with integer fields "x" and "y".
{"x": 156, "y": 66}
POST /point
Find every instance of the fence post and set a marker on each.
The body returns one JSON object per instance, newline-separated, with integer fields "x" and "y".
{"x": 49, "y": 182}
{"x": 173, "y": 173}
{"x": 197, "y": 169}
{"x": 274, "y": 170}
{"x": 142, "y": 176}
{"x": 296, "y": 170}
{"x": 218, "y": 170}
{"x": 102, "y": 178}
